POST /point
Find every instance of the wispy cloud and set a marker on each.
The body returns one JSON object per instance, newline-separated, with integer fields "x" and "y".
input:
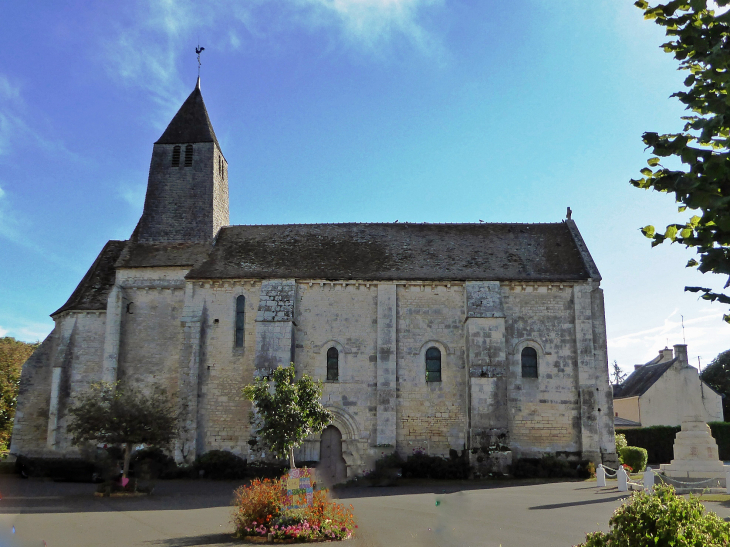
{"x": 706, "y": 335}
{"x": 146, "y": 53}
{"x": 133, "y": 194}
{"x": 27, "y": 331}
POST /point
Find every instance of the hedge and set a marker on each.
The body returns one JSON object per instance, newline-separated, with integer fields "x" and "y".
{"x": 658, "y": 440}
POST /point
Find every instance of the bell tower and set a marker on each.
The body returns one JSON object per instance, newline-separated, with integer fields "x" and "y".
{"x": 187, "y": 189}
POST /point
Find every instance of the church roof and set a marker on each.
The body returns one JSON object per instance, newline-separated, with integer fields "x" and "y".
{"x": 191, "y": 124}
{"x": 142, "y": 255}
{"x": 92, "y": 292}
{"x": 400, "y": 251}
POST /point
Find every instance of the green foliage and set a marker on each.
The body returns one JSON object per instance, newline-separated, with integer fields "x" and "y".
{"x": 635, "y": 457}
{"x": 549, "y": 467}
{"x": 662, "y": 518}
{"x": 717, "y": 376}
{"x": 152, "y": 463}
{"x": 658, "y": 441}
{"x": 698, "y": 40}
{"x": 221, "y": 465}
{"x": 112, "y": 413}
{"x": 287, "y": 414}
{"x": 13, "y": 353}
{"x": 620, "y": 443}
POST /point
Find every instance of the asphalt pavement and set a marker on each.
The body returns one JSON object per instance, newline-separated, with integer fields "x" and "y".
{"x": 197, "y": 513}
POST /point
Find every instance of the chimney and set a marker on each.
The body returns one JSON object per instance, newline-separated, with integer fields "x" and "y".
{"x": 637, "y": 367}
{"x": 665, "y": 355}
{"x": 680, "y": 352}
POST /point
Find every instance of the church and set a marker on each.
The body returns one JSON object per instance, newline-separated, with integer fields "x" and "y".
{"x": 427, "y": 337}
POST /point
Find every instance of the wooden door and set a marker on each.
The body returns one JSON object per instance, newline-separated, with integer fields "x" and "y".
{"x": 332, "y": 467}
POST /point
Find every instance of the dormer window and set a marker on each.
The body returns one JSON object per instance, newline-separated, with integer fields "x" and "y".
{"x": 189, "y": 155}
{"x": 176, "y": 156}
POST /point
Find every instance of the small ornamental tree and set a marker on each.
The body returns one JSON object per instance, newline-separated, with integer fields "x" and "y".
{"x": 111, "y": 413}
{"x": 287, "y": 412}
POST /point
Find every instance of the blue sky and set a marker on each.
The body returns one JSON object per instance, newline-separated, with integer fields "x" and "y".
{"x": 342, "y": 111}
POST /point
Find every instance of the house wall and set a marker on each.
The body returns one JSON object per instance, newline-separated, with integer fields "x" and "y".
{"x": 628, "y": 408}
{"x": 676, "y": 394}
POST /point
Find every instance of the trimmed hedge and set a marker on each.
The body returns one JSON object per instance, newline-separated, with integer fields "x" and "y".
{"x": 221, "y": 465}
{"x": 635, "y": 457}
{"x": 658, "y": 440}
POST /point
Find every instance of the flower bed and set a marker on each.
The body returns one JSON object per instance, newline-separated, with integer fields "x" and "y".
{"x": 260, "y": 511}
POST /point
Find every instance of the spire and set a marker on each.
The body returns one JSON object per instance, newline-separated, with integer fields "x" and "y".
{"x": 191, "y": 123}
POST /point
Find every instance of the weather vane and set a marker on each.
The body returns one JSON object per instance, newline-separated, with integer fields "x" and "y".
{"x": 199, "y": 50}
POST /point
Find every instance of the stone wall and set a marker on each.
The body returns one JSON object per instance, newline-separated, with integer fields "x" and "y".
{"x": 544, "y": 412}
{"x": 184, "y": 203}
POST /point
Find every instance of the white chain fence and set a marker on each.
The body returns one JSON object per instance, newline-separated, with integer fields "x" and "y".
{"x": 624, "y": 482}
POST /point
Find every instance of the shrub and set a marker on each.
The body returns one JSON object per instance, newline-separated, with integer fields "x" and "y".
{"x": 423, "y": 466}
{"x": 662, "y": 518}
{"x": 60, "y": 469}
{"x": 260, "y": 511}
{"x": 151, "y": 463}
{"x": 221, "y": 465}
{"x": 620, "y": 443}
{"x": 635, "y": 457}
{"x": 549, "y": 467}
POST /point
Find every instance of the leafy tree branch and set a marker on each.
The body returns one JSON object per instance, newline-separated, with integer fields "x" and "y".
{"x": 700, "y": 41}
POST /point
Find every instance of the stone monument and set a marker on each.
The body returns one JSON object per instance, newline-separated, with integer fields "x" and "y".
{"x": 695, "y": 453}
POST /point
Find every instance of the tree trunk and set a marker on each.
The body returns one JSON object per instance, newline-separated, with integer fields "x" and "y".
{"x": 127, "y": 458}
{"x": 291, "y": 458}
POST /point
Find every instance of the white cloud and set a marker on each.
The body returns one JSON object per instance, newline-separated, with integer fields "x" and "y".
{"x": 147, "y": 53}
{"x": 28, "y": 331}
{"x": 133, "y": 194}
{"x": 706, "y": 335}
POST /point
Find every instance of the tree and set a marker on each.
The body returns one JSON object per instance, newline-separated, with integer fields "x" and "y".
{"x": 13, "y": 353}
{"x": 288, "y": 413}
{"x": 617, "y": 375}
{"x": 717, "y": 376}
{"x": 114, "y": 413}
{"x": 700, "y": 41}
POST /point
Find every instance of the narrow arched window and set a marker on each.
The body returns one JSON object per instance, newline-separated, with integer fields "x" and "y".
{"x": 529, "y": 363}
{"x": 333, "y": 365}
{"x": 433, "y": 365}
{"x": 188, "y": 155}
{"x": 176, "y": 156}
{"x": 240, "y": 310}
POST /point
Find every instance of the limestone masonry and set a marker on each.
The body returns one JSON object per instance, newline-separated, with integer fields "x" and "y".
{"x": 428, "y": 337}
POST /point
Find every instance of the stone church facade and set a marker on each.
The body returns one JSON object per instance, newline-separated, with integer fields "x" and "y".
{"x": 427, "y": 337}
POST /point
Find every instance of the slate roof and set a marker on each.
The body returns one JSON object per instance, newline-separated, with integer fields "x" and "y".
{"x": 191, "y": 123}
{"x": 92, "y": 292}
{"x": 623, "y": 422}
{"x": 146, "y": 255}
{"x": 423, "y": 252}
{"x": 641, "y": 380}
{"x": 393, "y": 251}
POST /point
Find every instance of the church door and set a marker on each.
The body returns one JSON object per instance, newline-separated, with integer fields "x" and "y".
{"x": 332, "y": 467}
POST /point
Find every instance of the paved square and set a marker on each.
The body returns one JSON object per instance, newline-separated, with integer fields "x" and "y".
{"x": 192, "y": 513}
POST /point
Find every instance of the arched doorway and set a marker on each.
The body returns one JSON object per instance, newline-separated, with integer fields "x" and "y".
{"x": 332, "y": 467}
